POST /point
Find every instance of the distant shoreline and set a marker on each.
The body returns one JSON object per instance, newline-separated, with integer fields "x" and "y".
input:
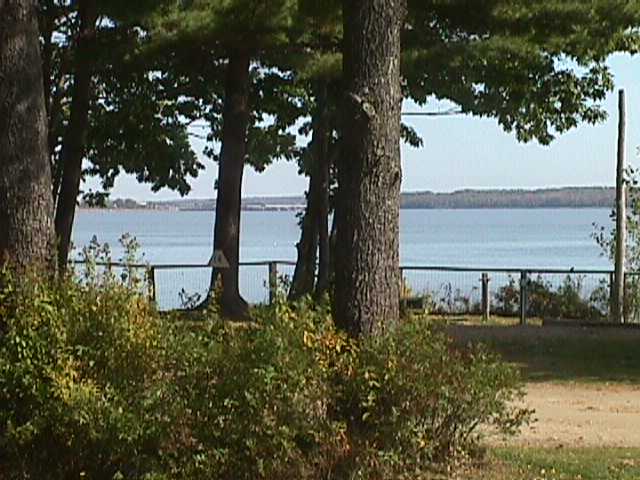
{"x": 566, "y": 197}
{"x": 276, "y": 210}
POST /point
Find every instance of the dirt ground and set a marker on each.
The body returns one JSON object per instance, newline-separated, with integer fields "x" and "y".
{"x": 571, "y": 413}
{"x": 582, "y": 415}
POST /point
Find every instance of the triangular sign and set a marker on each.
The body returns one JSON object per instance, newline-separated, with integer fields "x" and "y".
{"x": 218, "y": 260}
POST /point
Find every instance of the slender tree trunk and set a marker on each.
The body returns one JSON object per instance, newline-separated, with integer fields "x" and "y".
{"x": 336, "y": 152}
{"x": 226, "y": 236}
{"x": 54, "y": 120}
{"x": 312, "y": 233}
{"x": 369, "y": 173}
{"x": 75, "y": 138}
{"x": 47, "y": 24}
{"x": 332, "y": 245}
{"x": 324, "y": 249}
{"x": 26, "y": 227}
{"x": 53, "y": 85}
{"x": 323, "y": 172}
{"x": 303, "y": 278}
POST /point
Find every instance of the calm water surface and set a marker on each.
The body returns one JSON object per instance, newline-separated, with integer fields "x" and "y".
{"x": 492, "y": 238}
{"x": 535, "y": 238}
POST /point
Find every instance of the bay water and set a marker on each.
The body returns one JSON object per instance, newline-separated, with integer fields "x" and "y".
{"x": 498, "y": 238}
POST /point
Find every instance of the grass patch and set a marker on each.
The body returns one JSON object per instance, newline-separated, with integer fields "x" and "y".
{"x": 559, "y": 464}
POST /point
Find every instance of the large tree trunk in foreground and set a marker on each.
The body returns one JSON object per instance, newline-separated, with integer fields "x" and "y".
{"x": 226, "y": 235}
{"x": 369, "y": 172}
{"x": 26, "y": 227}
{"x": 75, "y": 138}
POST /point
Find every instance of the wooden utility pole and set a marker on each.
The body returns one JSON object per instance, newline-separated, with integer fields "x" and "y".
{"x": 621, "y": 216}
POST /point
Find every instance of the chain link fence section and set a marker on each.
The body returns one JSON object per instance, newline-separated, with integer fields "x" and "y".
{"x": 135, "y": 276}
{"x": 180, "y": 287}
{"x": 441, "y": 291}
{"x": 553, "y": 294}
{"x": 632, "y": 297}
{"x": 526, "y": 293}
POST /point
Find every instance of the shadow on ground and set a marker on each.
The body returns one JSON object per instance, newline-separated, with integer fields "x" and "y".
{"x": 561, "y": 353}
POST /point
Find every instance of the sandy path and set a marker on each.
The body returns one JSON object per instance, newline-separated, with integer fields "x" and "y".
{"x": 570, "y": 414}
{"x": 581, "y": 415}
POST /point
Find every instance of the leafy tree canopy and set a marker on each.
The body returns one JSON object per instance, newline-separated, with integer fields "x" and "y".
{"x": 138, "y": 123}
{"x": 206, "y": 33}
{"x": 538, "y": 67}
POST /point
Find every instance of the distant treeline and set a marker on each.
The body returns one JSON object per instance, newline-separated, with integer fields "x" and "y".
{"x": 569, "y": 197}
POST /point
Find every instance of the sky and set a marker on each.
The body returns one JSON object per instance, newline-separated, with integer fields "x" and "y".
{"x": 463, "y": 152}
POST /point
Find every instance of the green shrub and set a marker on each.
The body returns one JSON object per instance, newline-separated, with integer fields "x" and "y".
{"x": 95, "y": 384}
{"x": 543, "y": 300}
{"x": 256, "y": 397}
{"x": 80, "y": 392}
{"x": 413, "y": 401}
{"x": 445, "y": 300}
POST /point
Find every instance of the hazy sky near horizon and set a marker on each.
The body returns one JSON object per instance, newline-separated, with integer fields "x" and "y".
{"x": 464, "y": 152}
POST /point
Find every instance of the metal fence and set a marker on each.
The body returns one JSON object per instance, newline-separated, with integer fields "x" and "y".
{"x": 515, "y": 292}
{"x": 525, "y": 293}
{"x": 181, "y": 286}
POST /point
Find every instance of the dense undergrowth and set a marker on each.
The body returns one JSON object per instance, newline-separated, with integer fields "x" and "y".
{"x": 569, "y": 301}
{"x": 94, "y": 383}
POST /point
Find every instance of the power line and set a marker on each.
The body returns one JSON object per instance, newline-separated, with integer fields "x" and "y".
{"x": 442, "y": 113}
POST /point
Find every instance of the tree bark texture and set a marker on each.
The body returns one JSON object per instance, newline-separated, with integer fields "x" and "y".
{"x": 226, "y": 235}
{"x": 367, "y": 289}
{"x": 75, "y": 137}
{"x": 26, "y": 206}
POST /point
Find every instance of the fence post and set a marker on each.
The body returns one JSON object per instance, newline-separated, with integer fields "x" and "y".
{"x": 151, "y": 280}
{"x": 402, "y": 289}
{"x": 625, "y": 304}
{"x": 612, "y": 287}
{"x": 273, "y": 281}
{"x": 523, "y": 297}
{"x": 486, "y": 300}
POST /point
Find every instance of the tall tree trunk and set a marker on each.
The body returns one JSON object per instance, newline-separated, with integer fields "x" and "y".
{"x": 323, "y": 172}
{"x": 304, "y": 277}
{"x": 226, "y": 236}
{"x": 332, "y": 244}
{"x": 26, "y": 227}
{"x": 367, "y": 292}
{"x": 54, "y": 121}
{"x": 75, "y": 137}
{"x": 304, "y": 273}
{"x": 53, "y": 81}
